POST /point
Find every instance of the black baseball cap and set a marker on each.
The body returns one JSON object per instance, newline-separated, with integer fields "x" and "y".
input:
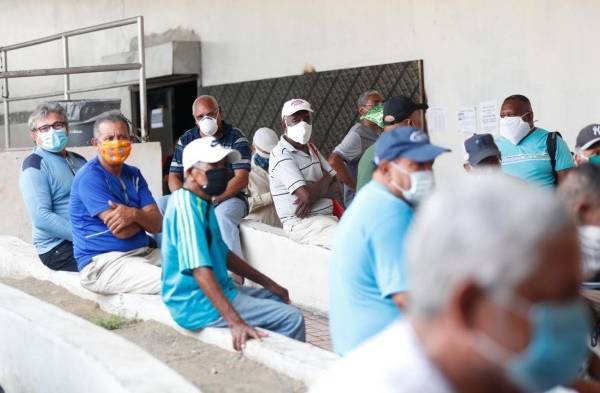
{"x": 399, "y": 108}
{"x": 588, "y": 136}
{"x": 479, "y": 147}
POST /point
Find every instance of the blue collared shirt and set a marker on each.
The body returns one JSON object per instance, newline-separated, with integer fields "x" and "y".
{"x": 92, "y": 188}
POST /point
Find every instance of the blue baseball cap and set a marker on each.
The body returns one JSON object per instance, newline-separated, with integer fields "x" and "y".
{"x": 407, "y": 142}
{"x": 479, "y": 147}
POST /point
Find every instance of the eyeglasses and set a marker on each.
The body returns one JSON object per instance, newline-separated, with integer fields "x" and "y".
{"x": 55, "y": 126}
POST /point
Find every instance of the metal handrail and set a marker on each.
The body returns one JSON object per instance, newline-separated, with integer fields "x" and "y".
{"x": 67, "y": 71}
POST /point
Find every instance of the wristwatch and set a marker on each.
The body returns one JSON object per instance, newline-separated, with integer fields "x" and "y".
{"x": 213, "y": 200}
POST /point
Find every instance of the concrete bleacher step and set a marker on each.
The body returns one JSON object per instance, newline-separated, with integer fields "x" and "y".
{"x": 297, "y": 360}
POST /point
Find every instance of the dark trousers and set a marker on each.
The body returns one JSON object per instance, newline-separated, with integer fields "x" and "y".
{"x": 60, "y": 258}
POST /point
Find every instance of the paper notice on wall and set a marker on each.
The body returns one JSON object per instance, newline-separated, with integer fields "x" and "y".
{"x": 488, "y": 117}
{"x": 466, "y": 119}
{"x": 436, "y": 119}
{"x": 156, "y": 118}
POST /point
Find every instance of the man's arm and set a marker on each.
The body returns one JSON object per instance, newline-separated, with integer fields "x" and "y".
{"x": 240, "y": 330}
{"x": 175, "y": 181}
{"x": 235, "y": 185}
{"x": 400, "y": 299}
{"x": 310, "y": 193}
{"x": 339, "y": 165}
{"x": 38, "y": 200}
{"x": 237, "y": 265}
{"x": 123, "y": 220}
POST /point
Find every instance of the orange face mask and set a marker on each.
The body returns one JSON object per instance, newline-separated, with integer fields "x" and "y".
{"x": 115, "y": 152}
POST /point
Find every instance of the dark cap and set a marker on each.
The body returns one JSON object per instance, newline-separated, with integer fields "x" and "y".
{"x": 408, "y": 142}
{"x": 588, "y": 136}
{"x": 399, "y": 108}
{"x": 479, "y": 147}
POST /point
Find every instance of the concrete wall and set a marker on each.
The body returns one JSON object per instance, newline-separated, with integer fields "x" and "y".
{"x": 302, "y": 269}
{"x": 472, "y": 50}
{"x": 15, "y": 219}
{"x": 45, "y": 349}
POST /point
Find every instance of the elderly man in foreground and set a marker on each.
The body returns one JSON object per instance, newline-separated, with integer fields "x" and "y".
{"x": 494, "y": 298}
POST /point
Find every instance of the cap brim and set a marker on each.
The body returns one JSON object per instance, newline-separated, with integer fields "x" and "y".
{"x": 476, "y": 158}
{"x": 424, "y": 153}
{"x": 590, "y": 144}
{"x": 421, "y": 106}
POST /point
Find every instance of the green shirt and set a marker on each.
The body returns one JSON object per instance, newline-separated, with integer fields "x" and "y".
{"x": 366, "y": 167}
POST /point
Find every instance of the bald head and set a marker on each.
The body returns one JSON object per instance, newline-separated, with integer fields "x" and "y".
{"x": 205, "y": 100}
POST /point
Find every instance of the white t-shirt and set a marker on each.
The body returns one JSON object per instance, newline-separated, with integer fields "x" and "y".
{"x": 392, "y": 361}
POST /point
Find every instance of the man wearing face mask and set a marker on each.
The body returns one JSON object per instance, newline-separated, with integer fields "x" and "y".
{"x": 302, "y": 180}
{"x": 587, "y": 145}
{"x": 260, "y": 200}
{"x": 398, "y": 111}
{"x": 490, "y": 310}
{"x": 367, "y": 276}
{"x": 111, "y": 211}
{"x": 528, "y": 152}
{"x": 362, "y": 135}
{"x": 45, "y": 182}
{"x": 196, "y": 288}
{"x": 231, "y": 204}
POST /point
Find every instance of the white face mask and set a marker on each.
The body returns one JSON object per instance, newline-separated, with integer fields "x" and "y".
{"x": 421, "y": 185}
{"x": 589, "y": 236}
{"x": 514, "y": 128}
{"x": 208, "y": 126}
{"x": 300, "y": 133}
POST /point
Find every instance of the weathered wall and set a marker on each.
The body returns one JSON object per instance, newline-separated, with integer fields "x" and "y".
{"x": 15, "y": 219}
{"x": 472, "y": 50}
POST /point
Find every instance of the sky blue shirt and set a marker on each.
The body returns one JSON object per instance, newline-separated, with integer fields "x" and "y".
{"x": 529, "y": 159}
{"x": 191, "y": 240}
{"x": 367, "y": 266}
{"x": 92, "y": 188}
{"x": 45, "y": 184}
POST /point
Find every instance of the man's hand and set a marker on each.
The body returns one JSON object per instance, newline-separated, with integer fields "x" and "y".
{"x": 303, "y": 208}
{"x": 242, "y": 332}
{"x": 119, "y": 217}
{"x": 280, "y": 291}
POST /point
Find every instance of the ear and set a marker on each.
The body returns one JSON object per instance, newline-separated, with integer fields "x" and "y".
{"x": 94, "y": 141}
{"x": 464, "y": 302}
{"x": 32, "y": 134}
{"x": 581, "y": 209}
{"x": 362, "y": 110}
{"x": 467, "y": 167}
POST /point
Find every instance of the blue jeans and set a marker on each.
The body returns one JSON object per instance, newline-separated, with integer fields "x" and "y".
{"x": 229, "y": 215}
{"x": 261, "y": 308}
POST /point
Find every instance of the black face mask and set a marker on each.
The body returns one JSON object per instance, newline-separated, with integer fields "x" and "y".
{"x": 217, "y": 181}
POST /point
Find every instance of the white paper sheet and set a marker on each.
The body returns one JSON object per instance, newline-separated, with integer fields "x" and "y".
{"x": 436, "y": 119}
{"x": 466, "y": 119}
{"x": 488, "y": 117}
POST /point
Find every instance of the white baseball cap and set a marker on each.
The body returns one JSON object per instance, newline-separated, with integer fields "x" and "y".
{"x": 265, "y": 139}
{"x": 295, "y": 105}
{"x": 207, "y": 149}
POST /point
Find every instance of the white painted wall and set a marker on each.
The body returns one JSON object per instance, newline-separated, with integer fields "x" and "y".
{"x": 472, "y": 50}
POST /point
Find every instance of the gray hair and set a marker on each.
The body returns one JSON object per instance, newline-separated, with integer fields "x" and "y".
{"x": 487, "y": 228}
{"x": 582, "y": 185}
{"x": 44, "y": 110}
{"x": 111, "y": 117}
{"x": 364, "y": 97}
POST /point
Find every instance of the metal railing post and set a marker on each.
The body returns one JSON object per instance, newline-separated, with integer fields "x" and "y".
{"x": 143, "y": 112}
{"x": 6, "y": 105}
{"x": 67, "y": 77}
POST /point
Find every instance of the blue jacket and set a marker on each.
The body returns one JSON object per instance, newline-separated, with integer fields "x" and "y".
{"x": 45, "y": 184}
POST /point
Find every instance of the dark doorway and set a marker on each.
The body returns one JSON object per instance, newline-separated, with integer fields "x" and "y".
{"x": 169, "y": 112}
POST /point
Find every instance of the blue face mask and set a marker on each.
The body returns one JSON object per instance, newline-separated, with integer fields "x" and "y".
{"x": 556, "y": 351}
{"x": 261, "y": 161}
{"x": 54, "y": 140}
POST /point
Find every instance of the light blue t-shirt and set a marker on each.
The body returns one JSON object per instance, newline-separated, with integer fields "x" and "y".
{"x": 192, "y": 239}
{"x": 367, "y": 266}
{"x": 45, "y": 184}
{"x": 529, "y": 159}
